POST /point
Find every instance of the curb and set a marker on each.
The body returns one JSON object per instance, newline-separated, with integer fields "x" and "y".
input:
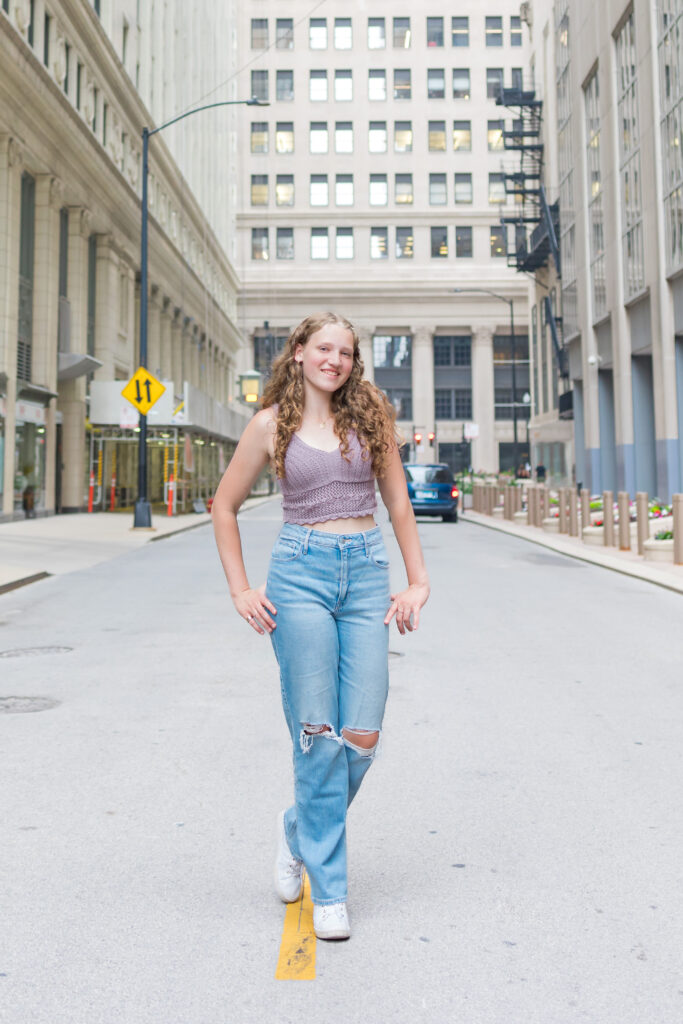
{"x": 207, "y": 522}
{"x": 15, "y": 584}
{"x": 625, "y": 570}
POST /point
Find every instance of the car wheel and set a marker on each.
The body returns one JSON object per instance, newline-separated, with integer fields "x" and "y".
{"x": 452, "y": 517}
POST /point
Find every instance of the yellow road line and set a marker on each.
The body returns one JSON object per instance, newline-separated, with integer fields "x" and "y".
{"x": 297, "y": 948}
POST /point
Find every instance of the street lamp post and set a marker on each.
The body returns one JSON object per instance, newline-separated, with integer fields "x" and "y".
{"x": 143, "y": 511}
{"x": 513, "y": 348}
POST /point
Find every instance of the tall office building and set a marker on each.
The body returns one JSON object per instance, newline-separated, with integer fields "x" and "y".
{"x": 78, "y": 81}
{"x": 373, "y": 185}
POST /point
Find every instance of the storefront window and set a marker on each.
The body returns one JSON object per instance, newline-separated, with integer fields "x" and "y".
{"x": 29, "y": 468}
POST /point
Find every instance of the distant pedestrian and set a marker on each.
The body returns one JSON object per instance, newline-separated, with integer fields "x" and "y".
{"x": 28, "y": 501}
{"x": 328, "y": 434}
{"x": 540, "y": 473}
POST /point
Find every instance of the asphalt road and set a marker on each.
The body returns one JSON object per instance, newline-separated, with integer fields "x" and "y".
{"x": 515, "y": 854}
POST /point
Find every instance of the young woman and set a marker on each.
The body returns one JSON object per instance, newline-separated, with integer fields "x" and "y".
{"x": 326, "y": 603}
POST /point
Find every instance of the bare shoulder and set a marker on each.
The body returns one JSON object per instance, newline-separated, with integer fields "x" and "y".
{"x": 263, "y": 426}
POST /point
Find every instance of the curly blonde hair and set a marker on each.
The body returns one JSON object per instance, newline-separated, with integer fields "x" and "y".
{"x": 357, "y": 405}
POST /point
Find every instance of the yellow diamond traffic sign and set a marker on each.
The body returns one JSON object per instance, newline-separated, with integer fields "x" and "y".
{"x": 143, "y": 390}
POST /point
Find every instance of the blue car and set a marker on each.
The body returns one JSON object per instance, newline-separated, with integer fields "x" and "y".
{"x": 432, "y": 490}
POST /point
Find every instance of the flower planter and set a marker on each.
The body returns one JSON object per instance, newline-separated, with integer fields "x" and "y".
{"x": 658, "y": 550}
{"x": 593, "y": 535}
{"x": 551, "y": 524}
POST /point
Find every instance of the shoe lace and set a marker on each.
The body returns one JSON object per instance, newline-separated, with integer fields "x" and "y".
{"x": 334, "y": 910}
{"x": 293, "y": 867}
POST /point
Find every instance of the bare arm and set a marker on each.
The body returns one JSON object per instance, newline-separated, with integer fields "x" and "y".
{"x": 250, "y": 458}
{"x": 408, "y": 602}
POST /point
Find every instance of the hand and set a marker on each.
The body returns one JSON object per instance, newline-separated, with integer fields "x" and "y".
{"x": 407, "y": 604}
{"x": 253, "y": 606}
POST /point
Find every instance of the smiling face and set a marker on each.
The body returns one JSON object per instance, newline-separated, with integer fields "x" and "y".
{"x": 327, "y": 357}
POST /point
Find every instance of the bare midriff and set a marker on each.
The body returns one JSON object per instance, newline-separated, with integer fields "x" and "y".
{"x": 358, "y": 525}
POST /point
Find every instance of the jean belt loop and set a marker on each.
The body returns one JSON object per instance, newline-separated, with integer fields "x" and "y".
{"x": 306, "y": 540}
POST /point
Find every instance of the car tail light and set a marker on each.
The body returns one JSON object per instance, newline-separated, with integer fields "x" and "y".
{"x": 454, "y": 492}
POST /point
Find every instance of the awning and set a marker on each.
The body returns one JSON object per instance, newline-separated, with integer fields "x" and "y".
{"x": 73, "y": 364}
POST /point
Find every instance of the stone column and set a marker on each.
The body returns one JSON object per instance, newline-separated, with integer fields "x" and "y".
{"x": 177, "y": 350}
{"x": 10, "y": 222}
{"x": 46, "y": 312}
{"x": 154, "y": 332}
{"x": 365, "y": 339}
{"x": 71, "y": 401}
{"x": 423, "y": 388}
{"x": 107, "y": 306}
{"x": 166, "y": 360}
{"x": 484, "y": 450}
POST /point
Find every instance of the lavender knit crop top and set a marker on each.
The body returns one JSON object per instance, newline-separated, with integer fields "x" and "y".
{"x": 319, "y": 486}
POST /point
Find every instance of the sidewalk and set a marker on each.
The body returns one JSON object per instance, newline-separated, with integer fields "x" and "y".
{"x": 627, "y": 562}
{"x": 31, "y": 549}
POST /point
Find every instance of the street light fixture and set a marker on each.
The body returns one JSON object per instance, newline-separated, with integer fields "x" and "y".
{"x": 143, "y": 510}
{"x": 510, "y": 302}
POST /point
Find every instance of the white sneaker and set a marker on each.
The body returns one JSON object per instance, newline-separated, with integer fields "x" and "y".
{"x": 331, "y": 921}
{"x": 289, "y": 872}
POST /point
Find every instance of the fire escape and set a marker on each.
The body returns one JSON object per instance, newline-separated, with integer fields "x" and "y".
{"x": 536, "y": 223}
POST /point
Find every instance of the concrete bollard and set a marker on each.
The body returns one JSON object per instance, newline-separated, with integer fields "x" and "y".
{"x": 623, "y": 499}
{"x": 517, "y": 491}
{"x": 573, "y": 513}
{"x": 562, "y": 504}
{"x": 585, "y": 507}
{"x": 608, "y": 519}
{"x": 507, "y": 503}
{"x": 542, "y": 504}
{"x": 643, "y": 519}
{"x": 678, "y": 529}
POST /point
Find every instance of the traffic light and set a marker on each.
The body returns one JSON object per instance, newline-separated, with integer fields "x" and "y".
{"x": 431, "y": 436}
{"x": 417, "y": 437}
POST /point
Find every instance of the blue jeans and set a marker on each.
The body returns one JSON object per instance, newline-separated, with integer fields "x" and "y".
{"x": 331, "y": 592}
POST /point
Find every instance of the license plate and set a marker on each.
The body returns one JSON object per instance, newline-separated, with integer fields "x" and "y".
{"x": 421, "y": 495}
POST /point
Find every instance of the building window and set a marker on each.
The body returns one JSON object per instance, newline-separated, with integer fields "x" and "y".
{"x": 453, "y": 403}
{"x": 497, "y": 240}
{"x": 105, "y": 123}
{"x": 284, "y": 34}
{"x": 402, "y": 89}
{"x": 460, "y": 31}
{"x": 343, "y": 137}
{"x": 515, "y": 30}
{"x": 259, "y": 244}
{"x": 461, "y": 83}
{"x": 494, "y": 82}
{"x": 452, "y": 350}
{"x": 494, "y": 136}
{"x": 434, "y": 31}
{"x": 317, "y": 86}
{"x": 284, "y": 86}
{"x": 376, "y": 34}
{"x": 436, "y": 83}
{"x": 377, "y": 84}
{"x": 285, "y": 244}
{"x": 344, "y": 244}
{"x": 496, "y": 187}
{"x": 404, "y": 243}
{"x": 595, "y": 215}
{"x": 47, "y": 26}
{"x": 377, "y": 137}
{"x": 259, "y": 137}
{"x": 343, "y": 190}
{"x": 403, "y": 188}
{"x": 462, "y": 136}
{"x": 517, "y": 78}
{"x": 318, "y": 137}
{"x": 317, "y": 33}
{"x": 259, "y": 85}
{"x": 462, "y": 188}
{"x": 31, "y": 21}
{"x": 401, "y": 33}
{"x": 392, "y": 351}
{"x": 284, "y": 137}
{"x": 437, "y": 136}
{"x": 27, "y": 239}
{"x": 403, "y": 136}
{"x": 67, "y": 66}
{"x": 494, "y": 31}
{"x": 437, "y": 190}
{"x": 343, "y": 86}
{"x": 319, "y": 194}
{"x": 463, "y": 242}
{"x": 379, "y": 190}
{"x": 320, "y": 244}
{"x": 671, "y": 104}
{"x": 95, "y": 108}
{"x": 379, "y": 243}
{"x": 259, "y": 33}
{"x": 259, "y": 190}
{"x": 343, "y": 36}
{"x": 79, "y": 84}
{"x": 284, "y": 190}
{"x": 565, "y": 168}
{"x": 439, "y": 242}
{"x": 629, "y": 160}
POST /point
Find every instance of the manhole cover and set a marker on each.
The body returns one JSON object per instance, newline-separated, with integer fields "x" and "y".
{"x": 22, "y": 705}
{"x": 27, "y": 652}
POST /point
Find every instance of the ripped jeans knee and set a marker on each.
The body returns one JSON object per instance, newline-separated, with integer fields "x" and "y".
{"x": 363, "y": 741}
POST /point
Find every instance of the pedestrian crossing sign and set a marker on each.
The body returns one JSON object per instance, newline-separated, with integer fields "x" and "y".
{"x": 143, "y": 390}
